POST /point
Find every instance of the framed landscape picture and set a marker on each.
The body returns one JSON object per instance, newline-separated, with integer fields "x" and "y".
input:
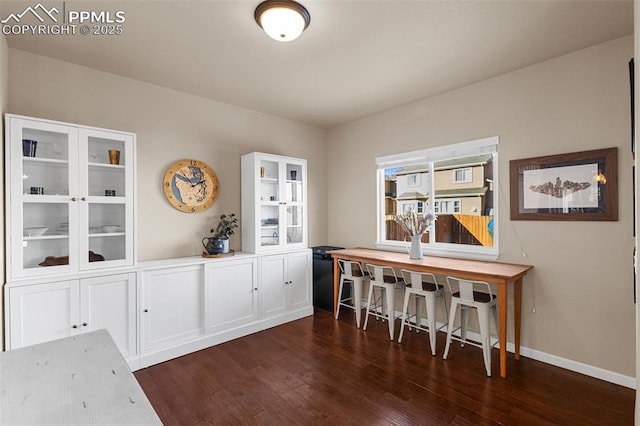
{"x": 575, "y": 186}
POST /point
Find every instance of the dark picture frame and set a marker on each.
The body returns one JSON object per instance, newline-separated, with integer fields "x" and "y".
{"x": 574, "y": 186}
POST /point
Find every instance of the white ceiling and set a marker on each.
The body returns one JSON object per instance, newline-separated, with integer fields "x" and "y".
{"x": 356, "y": 58}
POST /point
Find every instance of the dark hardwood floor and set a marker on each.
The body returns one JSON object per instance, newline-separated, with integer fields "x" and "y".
{"x": 321, "y": 371}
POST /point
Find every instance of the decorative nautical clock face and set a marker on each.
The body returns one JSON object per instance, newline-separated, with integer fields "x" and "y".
{"x": 190, "y": 186}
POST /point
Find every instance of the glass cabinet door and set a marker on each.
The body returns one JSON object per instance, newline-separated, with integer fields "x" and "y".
{"x": 43, "y": 158}
{"x": 294, "y": 203}
{"x": 270, "y": 202}
{"x": 106, "y": 216}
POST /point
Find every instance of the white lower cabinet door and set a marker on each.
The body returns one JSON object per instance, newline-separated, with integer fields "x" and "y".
{"x": 299, "y": 288}
{"x": 285, "y": 282}
{"x": 273, "y": 286}
{"x": 230, "y": 294}
{"x": 43, "y": 312}
{"x": 172, "y": 306}
{"x": 109, "y": 302}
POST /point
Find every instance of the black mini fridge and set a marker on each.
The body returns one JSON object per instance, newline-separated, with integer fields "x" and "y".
{"x": 323, "y": 277}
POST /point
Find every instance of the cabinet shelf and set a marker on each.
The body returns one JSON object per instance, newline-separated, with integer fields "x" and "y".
{"x": 106, "y": 166}
{"x": 45, "y": 199}
{"x": 107, "y": 234}
{"x": 46, "y": 237}
{"x": 48, "y": 161}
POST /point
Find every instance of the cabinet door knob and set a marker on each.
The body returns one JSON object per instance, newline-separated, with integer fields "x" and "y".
{"x": 73, "y": 198}
{"x": 146, "y": 310}
{"x": 84, "y": 198}
{"x": 74, "y": 326}
{"x": 84, "y": 324}
{"x": 255, "y": 289}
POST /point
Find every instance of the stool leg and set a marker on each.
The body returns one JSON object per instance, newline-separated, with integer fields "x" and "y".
{"x": 452, "y": 317}
{"x": 340, "y": 295}
{"x": 418, "y": 312}
{"x": 446, "y": 312}
{"x": 464, "y": 320}
{"x": 366, "y": 319}
{"x": 405, "y": 308}
{"x": 494, "y": 308}
{"x": 390, "y": 293}
{"x": 357, "y": 299}
{"x": 485, "y": 336}
{"x": 430, "y": 304}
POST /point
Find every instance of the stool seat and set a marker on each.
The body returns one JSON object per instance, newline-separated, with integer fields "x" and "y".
{"x": 426, "y": 286}
{"x": 478, "y": 296}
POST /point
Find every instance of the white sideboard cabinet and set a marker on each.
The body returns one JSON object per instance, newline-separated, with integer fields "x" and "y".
{"x": 70, "y": 197}
{"x": 42, "y": 312}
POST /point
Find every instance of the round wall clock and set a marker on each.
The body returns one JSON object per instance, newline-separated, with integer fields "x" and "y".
{"x": 190, "y": 186}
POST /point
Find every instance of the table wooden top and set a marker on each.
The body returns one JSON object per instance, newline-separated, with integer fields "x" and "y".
{"x": 79, "y": 380}
{"x": 472, "y": 269}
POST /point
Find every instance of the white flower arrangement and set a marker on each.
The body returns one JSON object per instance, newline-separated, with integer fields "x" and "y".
{"x": 415, "y": 223}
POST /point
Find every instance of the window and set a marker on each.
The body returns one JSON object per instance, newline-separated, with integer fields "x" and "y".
{"x": 446, "y": 206}
{"x": 413, "y": 180}
{"x": 462, "y": 175}
{"x": 458, "y": 182}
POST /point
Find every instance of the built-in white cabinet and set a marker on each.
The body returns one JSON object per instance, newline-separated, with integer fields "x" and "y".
{"x": 274, "y": 203}
{"x": 231, "y": 294}
{"x": 69, "y": 197}
{"x": 42, "y": 312}
{"x": 285, "y": 282}
{"x": 172, "y": 306}
{"x": 166, "y": 308}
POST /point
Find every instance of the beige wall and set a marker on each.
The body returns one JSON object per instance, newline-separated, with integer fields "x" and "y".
{"x": 170, "y": 126}
{"x": 581, "y": 286}
{"x": 4, "y": 103}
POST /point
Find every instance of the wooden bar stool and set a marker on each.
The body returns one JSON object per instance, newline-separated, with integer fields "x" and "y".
{"x": 384, "y": 278}
{"x": 422, "y": 285}
{"x": 470, "y": 297}
{"x": 353, "y": 274}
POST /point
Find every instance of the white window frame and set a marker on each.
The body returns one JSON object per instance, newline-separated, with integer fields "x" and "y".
{"x": 467, "y": 175}
{"x": 430, "y": 156}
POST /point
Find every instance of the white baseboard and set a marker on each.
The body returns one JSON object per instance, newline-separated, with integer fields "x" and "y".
{"x": 156, "y": 356}
{"x": 567, "y": 364}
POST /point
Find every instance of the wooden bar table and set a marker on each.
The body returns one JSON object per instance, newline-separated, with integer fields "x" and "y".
{"x": 502, "y": 274}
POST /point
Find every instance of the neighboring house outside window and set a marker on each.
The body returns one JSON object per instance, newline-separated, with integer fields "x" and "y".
{"x": 462, "y": 179}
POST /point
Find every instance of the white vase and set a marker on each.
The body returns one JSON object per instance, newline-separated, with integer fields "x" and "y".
{"x": 225, "y": 246}
{"x": 416, "y": 247}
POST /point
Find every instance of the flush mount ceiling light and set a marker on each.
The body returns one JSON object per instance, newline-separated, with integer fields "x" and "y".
{"x": 282, "y": 20}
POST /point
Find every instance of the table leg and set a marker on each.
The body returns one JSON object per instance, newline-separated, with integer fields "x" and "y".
{"x": 502, "y": 319}
{"x": 517, "y": 314}
{"x": 336, "y": 285}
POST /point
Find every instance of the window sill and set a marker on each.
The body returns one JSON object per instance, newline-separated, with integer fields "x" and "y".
{"x": 463, "y": 252}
